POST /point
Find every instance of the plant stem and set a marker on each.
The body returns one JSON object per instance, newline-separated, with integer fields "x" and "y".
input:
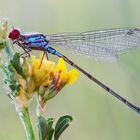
{"x": 25, "y": 119}
{"x": 39, "y": 112}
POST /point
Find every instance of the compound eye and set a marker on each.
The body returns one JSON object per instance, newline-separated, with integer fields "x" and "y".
{"x": 14, "y": 34}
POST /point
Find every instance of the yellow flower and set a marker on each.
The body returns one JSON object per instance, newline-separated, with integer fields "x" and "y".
{"x": 66, "y": 77}
{"x": 41, "y": 74}
{"x": 44, "y": 72}
{"x": 50, "y": 79}
{"x": 26, "y": 76}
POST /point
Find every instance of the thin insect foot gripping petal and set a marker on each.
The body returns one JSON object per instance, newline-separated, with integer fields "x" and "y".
{"x": 103, "y": 44}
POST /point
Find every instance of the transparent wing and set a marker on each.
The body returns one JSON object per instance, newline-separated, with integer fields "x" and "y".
{"x": 102, "y": 44}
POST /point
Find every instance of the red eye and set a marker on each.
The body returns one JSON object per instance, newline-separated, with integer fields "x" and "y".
{"x": 14, "y": 34}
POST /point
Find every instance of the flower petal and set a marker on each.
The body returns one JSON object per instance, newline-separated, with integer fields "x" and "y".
{"x": 61, "y": 66}
{"x": 41, "y": 74}
{"x": 73, "y": 76}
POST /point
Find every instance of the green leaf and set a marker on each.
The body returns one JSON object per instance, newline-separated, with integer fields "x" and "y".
{"x": 16, "y": 63}
{"x": 1, "y": 46}
{"x": 11, "y": 68}
{"x": 45, "y": 128}
{"x": 15, "y": 89}
{"x": 4, "y": 70}
{"x": 8, "y": 50}
{"x": 50, "y": 129}
{"x": 62, "y": 123}
{"x": 42, "y": 127}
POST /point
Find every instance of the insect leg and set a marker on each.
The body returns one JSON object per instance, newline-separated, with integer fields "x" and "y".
{"x": 42, "y": 59}
{"x": 47, "y": 56}
{"x": 26, "y": 52}
{"x": 27, "y": 49}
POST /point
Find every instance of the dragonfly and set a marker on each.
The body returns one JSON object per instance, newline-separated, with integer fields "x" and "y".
{"x": 105, "y": 44}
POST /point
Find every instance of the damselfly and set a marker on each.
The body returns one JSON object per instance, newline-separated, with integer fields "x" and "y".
{"x": 102, "y": 44}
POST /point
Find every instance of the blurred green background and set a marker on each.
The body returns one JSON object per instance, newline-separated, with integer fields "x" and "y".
{"x": 97, "y": 115}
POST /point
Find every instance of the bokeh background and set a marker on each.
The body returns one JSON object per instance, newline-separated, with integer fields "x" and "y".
{"x": 97, "y": 115}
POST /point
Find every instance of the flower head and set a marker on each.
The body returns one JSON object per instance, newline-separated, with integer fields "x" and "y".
{"x": 19, "y": 79}
{"x": 25, "y": 76}
{"x": 50, "y": 79}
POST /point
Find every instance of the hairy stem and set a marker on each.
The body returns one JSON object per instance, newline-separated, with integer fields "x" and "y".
{"x": 25, "y": 119}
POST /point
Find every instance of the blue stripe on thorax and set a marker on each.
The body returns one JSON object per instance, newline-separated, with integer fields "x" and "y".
{"x": 36, "y": 41}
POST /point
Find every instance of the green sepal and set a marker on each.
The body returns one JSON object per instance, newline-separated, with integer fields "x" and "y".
{"x": 62, "y": 123}
{"x": 25, "y": 68}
